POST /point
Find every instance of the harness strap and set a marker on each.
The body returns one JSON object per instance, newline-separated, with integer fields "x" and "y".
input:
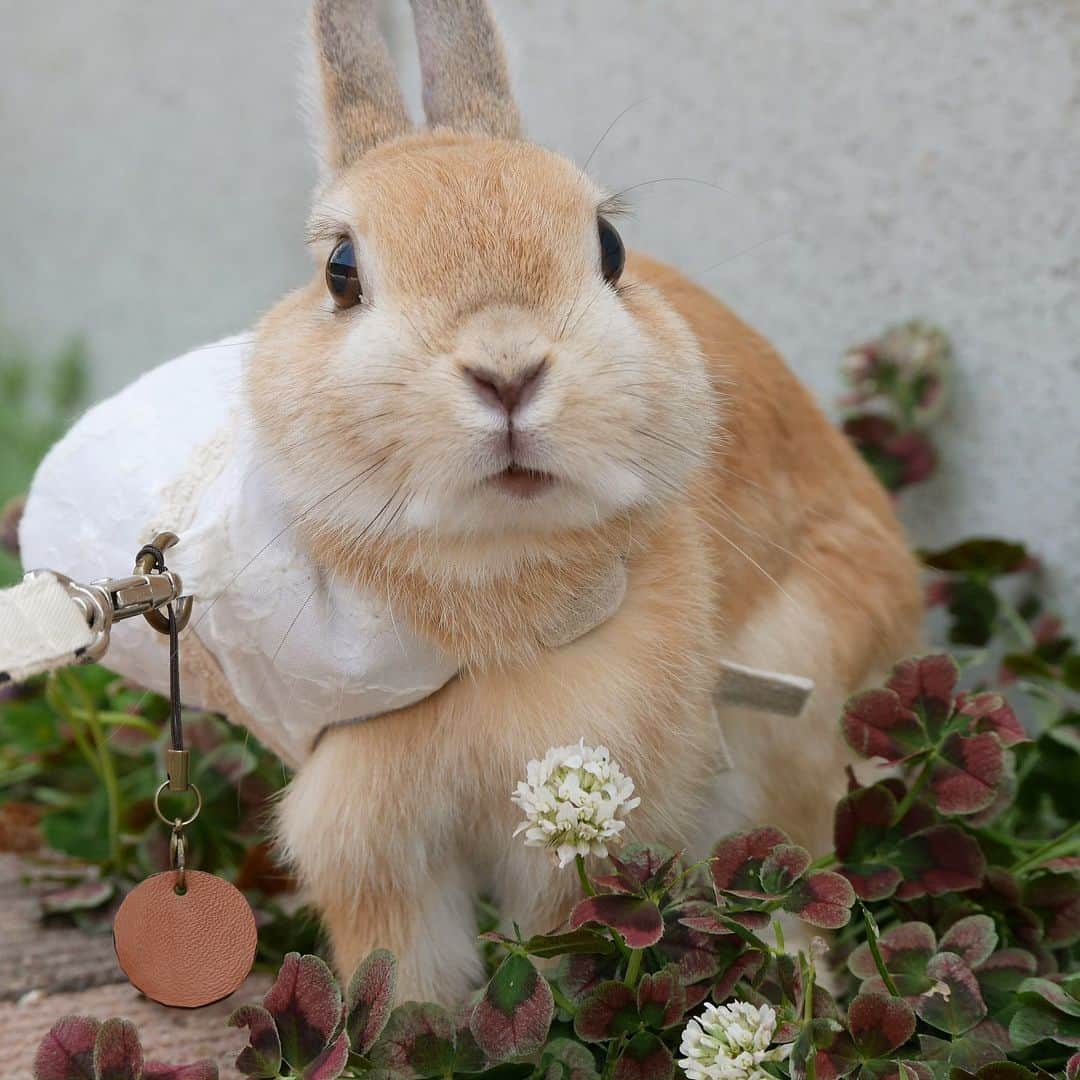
{"x": 42, "y": 627}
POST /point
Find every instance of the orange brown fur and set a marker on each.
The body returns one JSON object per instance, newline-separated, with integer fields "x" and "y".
{"x": 680, "y": 442}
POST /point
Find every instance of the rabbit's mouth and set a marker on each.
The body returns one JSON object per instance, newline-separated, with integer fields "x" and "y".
{"x": 523, "y": 483}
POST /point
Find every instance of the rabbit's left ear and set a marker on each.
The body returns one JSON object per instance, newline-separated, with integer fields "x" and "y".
{"x": 466, "y": 86}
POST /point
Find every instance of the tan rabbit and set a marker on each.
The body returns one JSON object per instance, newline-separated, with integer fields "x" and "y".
{"x": 501, "y": 410}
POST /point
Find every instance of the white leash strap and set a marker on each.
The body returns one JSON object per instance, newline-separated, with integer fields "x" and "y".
{"x": 42, "y": 626}
{"x": 49, "y": 621}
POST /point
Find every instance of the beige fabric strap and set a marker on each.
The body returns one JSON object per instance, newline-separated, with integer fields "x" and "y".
{"x": 41, "y": 627}
{"x": 765, "y": 691}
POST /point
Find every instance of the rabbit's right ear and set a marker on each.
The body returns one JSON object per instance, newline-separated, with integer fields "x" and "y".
{"x": 362, "y": 103}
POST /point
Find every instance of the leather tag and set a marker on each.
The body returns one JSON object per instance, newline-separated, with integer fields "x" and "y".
{"x": 185, "y": 950}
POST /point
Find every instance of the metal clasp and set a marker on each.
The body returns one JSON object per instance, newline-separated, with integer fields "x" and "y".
{"x": 109, "y": 600}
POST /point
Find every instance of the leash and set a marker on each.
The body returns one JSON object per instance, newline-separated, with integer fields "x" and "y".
{"x": 48, "y": 621}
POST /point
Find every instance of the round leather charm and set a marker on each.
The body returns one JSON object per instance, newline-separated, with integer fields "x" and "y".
{"x": 185, "y": 950}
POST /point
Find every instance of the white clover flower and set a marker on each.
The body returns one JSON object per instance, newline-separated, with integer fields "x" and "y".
{"x": 575, "y": 801}
{"x": 730, "y": 1042}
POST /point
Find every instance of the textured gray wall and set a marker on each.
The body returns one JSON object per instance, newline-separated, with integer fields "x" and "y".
{"x": 863, "y": 160}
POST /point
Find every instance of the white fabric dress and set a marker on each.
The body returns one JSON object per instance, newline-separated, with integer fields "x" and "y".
{"x": 281, "y": 651}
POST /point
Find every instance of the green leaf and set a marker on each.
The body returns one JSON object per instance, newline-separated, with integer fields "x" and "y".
{"x": 565, "y": 1059}
{"x": 418, "y": 1041}
{"x": 83, "y": 830}
{"x": 983, "y": 555}
{"x": 261, "y": 1058}
{"x": 514, "y": 1015}
{"x": 546, "y": 946}
{"x": 305, "y": 1002}
{"x": 644, "y": 1057}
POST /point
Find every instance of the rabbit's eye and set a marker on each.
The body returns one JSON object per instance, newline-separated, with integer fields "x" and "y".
{"x": 342, "y": 278}
{"x": 612, "y": 252}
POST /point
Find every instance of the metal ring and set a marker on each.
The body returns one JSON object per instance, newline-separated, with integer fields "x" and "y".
{"x": 172, "y": 821}
{"x": 177, "y": 859}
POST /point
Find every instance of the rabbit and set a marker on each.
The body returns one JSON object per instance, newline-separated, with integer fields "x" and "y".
{"x": 486, "y": 402}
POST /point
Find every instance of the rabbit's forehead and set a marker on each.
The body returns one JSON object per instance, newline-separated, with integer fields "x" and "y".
{"x": 473, "y": 217}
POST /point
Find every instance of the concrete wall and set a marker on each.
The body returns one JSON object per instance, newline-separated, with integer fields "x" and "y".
{"x": 847, "y": 163}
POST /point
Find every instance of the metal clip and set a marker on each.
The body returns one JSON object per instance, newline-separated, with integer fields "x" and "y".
{"x": 109, "y": 600}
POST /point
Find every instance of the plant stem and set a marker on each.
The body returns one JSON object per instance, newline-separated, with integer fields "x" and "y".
{"x": 778, "y": 930}
{"x": 808, "y": 1015}
{"x": 561, "y": 999}
{"x": 108, "y": 771}
{"x": 633, "y": 967}
{"x": 54, "y": 696}
{"x": 824, "y": 862}
{"x": 875, "y": 952}
{"x": 583, "y": 877}
{"x": 913, "y": 792}
{"x": 613, "y": 1051}
{"x": 1060, "y": 845}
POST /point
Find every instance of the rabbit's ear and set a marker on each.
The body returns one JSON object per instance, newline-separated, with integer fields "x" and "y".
{"x": 361, "y": 99}
{"x": 466, "y": 86}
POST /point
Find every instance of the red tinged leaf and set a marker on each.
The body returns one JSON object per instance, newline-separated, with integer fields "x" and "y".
{"x": 661, "y": 999}
{"x": 1056, "y": 898}
{"x": 862, "y": 829}
{"x": 999, "y": 978}
{"x": 117, "y": 1052}
{"x": 513, "y": 1017}
{"x": 737, "y": 860}
{"x": 1072, "y": 1068}
{"x": 579, "y": 975}
{"x": 783, "y": 866}
{"x": 638, "y": 920}
{"x": 67, "y": 1051}
{"x": 863, "y": 816}
{"x": 417, "y": 1042}
{"x": 823, "y": 899}
{"x": 745, "y": 966}
{"x": 877, "y": 724}
{"x": 713, "y": 919}
{"x": 831, "y": 1048}
{"x": 370, "y": 999}
{"x": 609, "y": 1011}
{"x": 644, "y": 1057}
{"x": 973, "y": 939}
{"x": 86, "y": 896}
{"x": 872, "y": 882}
{"x": 305, "y": 1002}
{"x": 965, "y": 777}
{"x": 198, "y": 1070}
{"x": 905, "y": 949}
{"x": 565, "y": 1059}
{"x": 926, "y": 685}
{"x": 700, "y": 956}
{"x": 954, "y": 1003}
{"x": 992, "y": 713}
{"x": 939, "y": 860}
{"x": 261, "y": 1058}
{"x": 641, "y": 869}
{"x": 879, "y": 1024}
{"x": 330, "y": 1064}
{"x": 1064, "y": 864}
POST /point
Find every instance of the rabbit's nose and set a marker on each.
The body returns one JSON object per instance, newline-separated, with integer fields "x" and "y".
{"x": 508, "y": 393}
